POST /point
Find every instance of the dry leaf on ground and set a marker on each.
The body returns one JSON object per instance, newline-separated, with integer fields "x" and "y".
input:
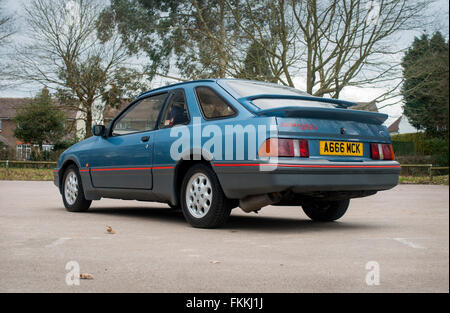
{"x": 86, "y": 276}
{"x": 110, "y": 230}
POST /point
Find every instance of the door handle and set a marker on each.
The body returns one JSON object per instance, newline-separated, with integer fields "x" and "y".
{"x": 145, "y": 138}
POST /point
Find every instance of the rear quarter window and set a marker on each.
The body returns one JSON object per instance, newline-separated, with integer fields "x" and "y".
{"x": 212, "y": 104}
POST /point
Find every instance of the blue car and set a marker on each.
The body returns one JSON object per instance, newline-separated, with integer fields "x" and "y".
{"x": 209, "y": 146}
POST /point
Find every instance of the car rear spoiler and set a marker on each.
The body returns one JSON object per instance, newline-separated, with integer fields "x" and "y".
{"x": 338, "y": 113}
{"x": 339, "y": 103}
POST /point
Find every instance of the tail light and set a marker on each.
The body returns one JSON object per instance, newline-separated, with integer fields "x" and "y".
{"x": 276, "y": 147}
{"x": 381, "y": 151}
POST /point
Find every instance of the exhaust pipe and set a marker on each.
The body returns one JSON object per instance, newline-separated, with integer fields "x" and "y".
{"x": 255, "y": 203}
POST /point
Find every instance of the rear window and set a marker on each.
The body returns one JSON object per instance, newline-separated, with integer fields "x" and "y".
{"x": 250, "y": 88}
{"x": 267, "y": 104}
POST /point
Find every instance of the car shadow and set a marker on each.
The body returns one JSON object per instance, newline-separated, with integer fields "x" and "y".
{"x": 239, "y": 222}
{"x": 154, "y": 213}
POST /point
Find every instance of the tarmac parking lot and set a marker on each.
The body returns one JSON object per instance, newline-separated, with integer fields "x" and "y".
{"x": 402, "y": 234}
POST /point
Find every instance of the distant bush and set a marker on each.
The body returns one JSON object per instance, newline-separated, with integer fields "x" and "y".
{"x": 7, "y": 153}
{"x": 403, "y": 147}
{"x": 63, "y": 145}
{"x": 436, "y": 148}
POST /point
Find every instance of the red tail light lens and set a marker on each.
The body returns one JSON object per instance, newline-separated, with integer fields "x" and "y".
{"x": 304, "y": 149}
{"x": 374, "y": 152}
{"x": 276, "y": 147}
{"x": 285, "y": 148}
{"x": 381, "y": 151}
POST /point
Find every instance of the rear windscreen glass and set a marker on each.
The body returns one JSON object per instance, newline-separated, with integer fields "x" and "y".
{"x": 267, "y": 104}
{"x": 249, "y": 88}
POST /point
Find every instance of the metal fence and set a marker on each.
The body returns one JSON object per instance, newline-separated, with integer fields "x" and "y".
{"x": 27, "y": 164}
{"x": 423, "y": 170}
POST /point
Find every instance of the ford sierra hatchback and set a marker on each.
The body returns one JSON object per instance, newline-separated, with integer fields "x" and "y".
{"x": 209, "y": 146}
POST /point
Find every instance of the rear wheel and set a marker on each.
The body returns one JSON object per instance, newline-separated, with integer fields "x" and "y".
{"x": 326, "y": 211}
{"x": 72, "y": 193}
{"x": 203, "y": 202}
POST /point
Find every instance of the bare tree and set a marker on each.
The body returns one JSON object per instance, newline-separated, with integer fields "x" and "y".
{"x": 6, "y": 26}
{"x": 65, "y": 54}
{"x": 7, "y": 29}
{"x": 197, "y": 37}
{"x": 333, "y": 43}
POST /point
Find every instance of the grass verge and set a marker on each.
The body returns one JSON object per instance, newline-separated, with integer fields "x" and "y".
{"x": 25, "y": 174}
{"x": 424, "y": 180}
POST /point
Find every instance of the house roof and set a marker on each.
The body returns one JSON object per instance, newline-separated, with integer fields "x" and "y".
{"x": 393, "y": 128}
{"x": 9, "y": 106}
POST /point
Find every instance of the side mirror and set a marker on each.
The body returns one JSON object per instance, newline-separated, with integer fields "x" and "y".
{"x": 99, "y": 130}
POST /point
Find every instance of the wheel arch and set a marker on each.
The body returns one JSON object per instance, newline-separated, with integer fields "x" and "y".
{"x": 67, "y": 162}
{"x": 186, "y": 161}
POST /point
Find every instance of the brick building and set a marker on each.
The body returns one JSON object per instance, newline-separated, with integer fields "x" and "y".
{"x": 8, "y": 108}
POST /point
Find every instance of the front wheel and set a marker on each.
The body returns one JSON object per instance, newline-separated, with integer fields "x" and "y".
{"x": 72, "y": 193}
{"x": 203, "y": 202}
{"x": 326, "y": 211}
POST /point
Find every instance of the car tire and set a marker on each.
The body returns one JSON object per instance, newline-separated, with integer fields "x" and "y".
{"x": 72, "y": 191}
{"x": 326, "y": 211}
{"x": 203, "y": 203}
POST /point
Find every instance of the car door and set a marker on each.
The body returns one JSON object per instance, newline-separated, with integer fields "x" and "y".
{"x": 123, "y": 159}
{"x": 175, "y": 114}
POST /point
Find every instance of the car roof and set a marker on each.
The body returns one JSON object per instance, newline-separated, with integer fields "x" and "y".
{"x": 208, "y": 80}
{"x": 211, "y": 80}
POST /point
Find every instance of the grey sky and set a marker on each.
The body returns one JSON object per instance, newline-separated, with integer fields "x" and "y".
{"x": 438, "y": 12}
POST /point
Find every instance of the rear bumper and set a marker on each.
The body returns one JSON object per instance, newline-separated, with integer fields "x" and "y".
{"x": 241, "y": 179}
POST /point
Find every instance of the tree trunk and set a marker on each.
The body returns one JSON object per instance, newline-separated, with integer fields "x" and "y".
{"x": 88, "y": 122}
{"x": 309, "y": 73}
{"x": 222, "y": 52}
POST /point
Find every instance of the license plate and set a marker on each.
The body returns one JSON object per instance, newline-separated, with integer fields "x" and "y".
{"x": 341, "y": 148}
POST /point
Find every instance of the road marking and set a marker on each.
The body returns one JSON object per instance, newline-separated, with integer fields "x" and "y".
{"x": 58, "y": 241}
{"x": 194, "y": 255}
{"x": 409, "y": 243}
{"x": 188, "y": 250}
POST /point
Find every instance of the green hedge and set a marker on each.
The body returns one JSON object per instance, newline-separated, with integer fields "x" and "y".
{"x": 403, "y": 147}
{"x": 420, "y": 144}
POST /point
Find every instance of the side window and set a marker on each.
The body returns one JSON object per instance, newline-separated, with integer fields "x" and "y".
{"x": 211, "y": 104}
{"x": 142, "y": 116}
{"x": 176, "y": 112}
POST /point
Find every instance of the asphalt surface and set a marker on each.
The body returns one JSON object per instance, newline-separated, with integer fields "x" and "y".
{"x": 404, "y": 230}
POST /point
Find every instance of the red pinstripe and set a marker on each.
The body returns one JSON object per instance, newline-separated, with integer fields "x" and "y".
{"x": 129, "y": 168}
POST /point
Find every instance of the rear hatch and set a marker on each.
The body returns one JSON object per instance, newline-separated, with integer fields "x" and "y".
{"x": 335, "y": 134}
